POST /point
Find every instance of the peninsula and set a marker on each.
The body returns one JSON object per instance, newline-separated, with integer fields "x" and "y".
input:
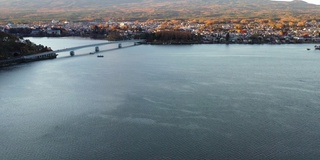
{"x": 13, "y": 49}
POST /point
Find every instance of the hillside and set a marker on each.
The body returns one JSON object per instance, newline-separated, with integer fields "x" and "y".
{"x": 12, "y": 47}
{"x": 13, "y": 10}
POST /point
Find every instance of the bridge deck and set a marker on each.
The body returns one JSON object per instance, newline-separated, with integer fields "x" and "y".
{"x": 79, "y": 47}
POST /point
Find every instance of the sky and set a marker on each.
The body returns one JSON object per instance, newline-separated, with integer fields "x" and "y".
{"x": 309, "y": 1}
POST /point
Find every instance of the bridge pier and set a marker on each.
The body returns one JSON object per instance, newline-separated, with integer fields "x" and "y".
{"x": 71, "y": 53}
{"x": 97, "y": 49}
{"x": 119, "y": 45}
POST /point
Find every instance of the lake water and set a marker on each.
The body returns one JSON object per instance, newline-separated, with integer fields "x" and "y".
{"x": 163, "y": 102}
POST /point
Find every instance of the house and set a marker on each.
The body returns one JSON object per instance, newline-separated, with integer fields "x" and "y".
{"x": 55, "y": 21}
{"x": 35, "y": 31}
{"x": 53, "y": 31}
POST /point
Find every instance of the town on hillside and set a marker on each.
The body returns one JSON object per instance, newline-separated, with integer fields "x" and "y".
{"x": 240, "y": 31}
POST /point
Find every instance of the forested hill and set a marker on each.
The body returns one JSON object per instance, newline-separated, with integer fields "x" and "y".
{"x": 147, "y": 9}
{"x": 12, "y": 46}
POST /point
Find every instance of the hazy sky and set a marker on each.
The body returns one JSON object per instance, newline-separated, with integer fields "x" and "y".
{"x": 309, "y": 1}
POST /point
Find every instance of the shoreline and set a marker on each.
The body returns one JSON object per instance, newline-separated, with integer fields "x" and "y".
{"x": 172, "y": 42}
{"x": 20, "y": 60}
{"x": 224, "y": 43}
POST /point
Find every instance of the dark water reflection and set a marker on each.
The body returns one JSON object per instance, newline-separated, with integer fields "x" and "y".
{"x": 165, "y": 102}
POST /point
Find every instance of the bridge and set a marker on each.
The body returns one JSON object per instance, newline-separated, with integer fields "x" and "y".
{"x": 53, "y": 54}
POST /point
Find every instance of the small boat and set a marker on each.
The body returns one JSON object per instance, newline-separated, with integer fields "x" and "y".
{"x": 308, "y": 49}
{"x": 99, "y": 56}
{"x": 317, "y": 47}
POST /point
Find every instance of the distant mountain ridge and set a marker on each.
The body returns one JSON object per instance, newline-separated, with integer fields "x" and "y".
{"x": 83, "y": 9}
{"x": 54, "y": 4}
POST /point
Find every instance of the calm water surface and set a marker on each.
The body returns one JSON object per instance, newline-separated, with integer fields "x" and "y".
{"x": 163, "y": 102}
